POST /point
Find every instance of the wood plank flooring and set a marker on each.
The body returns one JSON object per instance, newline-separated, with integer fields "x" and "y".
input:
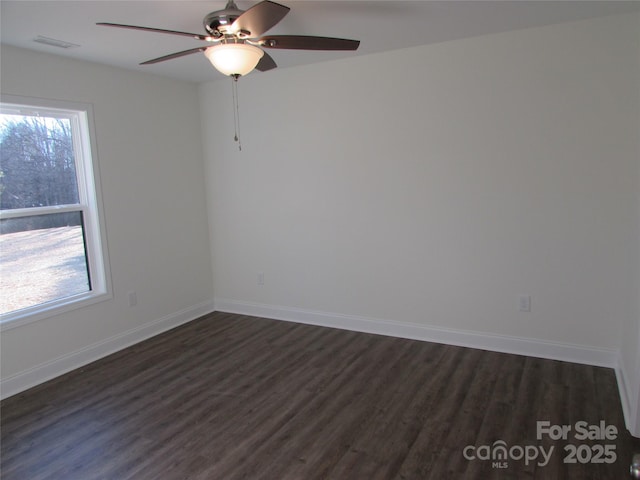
{"x": 237, "y": 397}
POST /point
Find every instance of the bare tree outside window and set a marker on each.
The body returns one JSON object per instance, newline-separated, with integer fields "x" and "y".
{"x": 37, "y": 162}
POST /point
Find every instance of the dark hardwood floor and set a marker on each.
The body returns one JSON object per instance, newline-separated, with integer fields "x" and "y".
{"x": 237, "y": 397}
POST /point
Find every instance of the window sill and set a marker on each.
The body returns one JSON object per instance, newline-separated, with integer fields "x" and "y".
{"x": 29, "y": 315}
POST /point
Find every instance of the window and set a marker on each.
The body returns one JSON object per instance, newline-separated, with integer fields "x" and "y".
{"x": 51, "y": 247}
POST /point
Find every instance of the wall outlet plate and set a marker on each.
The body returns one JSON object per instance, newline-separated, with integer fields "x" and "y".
{"x": 524, "y": 303}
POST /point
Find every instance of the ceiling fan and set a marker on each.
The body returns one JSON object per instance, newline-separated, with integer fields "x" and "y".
{"x": 235, "y": 41}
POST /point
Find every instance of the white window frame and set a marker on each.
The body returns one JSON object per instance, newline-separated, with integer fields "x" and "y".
{"x": 90, "y": 206}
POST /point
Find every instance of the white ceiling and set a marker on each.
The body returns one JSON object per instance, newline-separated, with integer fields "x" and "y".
{"x": 380, "y": 25}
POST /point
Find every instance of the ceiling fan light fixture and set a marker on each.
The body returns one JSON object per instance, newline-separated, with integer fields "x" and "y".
{"x": 234, "y": 58}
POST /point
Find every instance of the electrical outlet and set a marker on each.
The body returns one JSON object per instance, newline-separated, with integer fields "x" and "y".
{"x": 260, "y": 278}
{"x": 524, "y": 303}
{"x": 133, "y": 299}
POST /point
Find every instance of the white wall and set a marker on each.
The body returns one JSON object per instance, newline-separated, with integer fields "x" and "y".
{"x": 150, "y": 159}
{"x": 630, "y": 348}
{"x": 420, "y": 191}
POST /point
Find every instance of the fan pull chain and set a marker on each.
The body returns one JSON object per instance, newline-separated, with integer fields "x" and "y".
{"x": 236, "y": 110}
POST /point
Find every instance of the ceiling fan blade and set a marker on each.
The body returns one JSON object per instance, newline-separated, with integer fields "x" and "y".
{"x": 266, "y": 63}
{"x": 303, "y": 42}
{"x": 259, "y": 18}
{"x": 174, "y": 55}
{"x": 197, "y": 36}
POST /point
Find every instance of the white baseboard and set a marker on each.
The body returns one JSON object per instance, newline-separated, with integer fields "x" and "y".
{"x": 497, "y": 343}
{"x": 46, "y": 371}
{"x": 629, "y": 399}
{"x": 624, "y": 390}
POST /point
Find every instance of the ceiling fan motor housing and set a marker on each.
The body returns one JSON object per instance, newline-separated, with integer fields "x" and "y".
{"x": 218, "y": 23}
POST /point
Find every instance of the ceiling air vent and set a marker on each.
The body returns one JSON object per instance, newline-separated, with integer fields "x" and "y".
{"x": 54, "y": 43}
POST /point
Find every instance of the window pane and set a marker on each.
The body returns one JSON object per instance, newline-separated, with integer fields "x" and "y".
{"x": 37, "y": 164}
{"x": 43, "y": 259}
